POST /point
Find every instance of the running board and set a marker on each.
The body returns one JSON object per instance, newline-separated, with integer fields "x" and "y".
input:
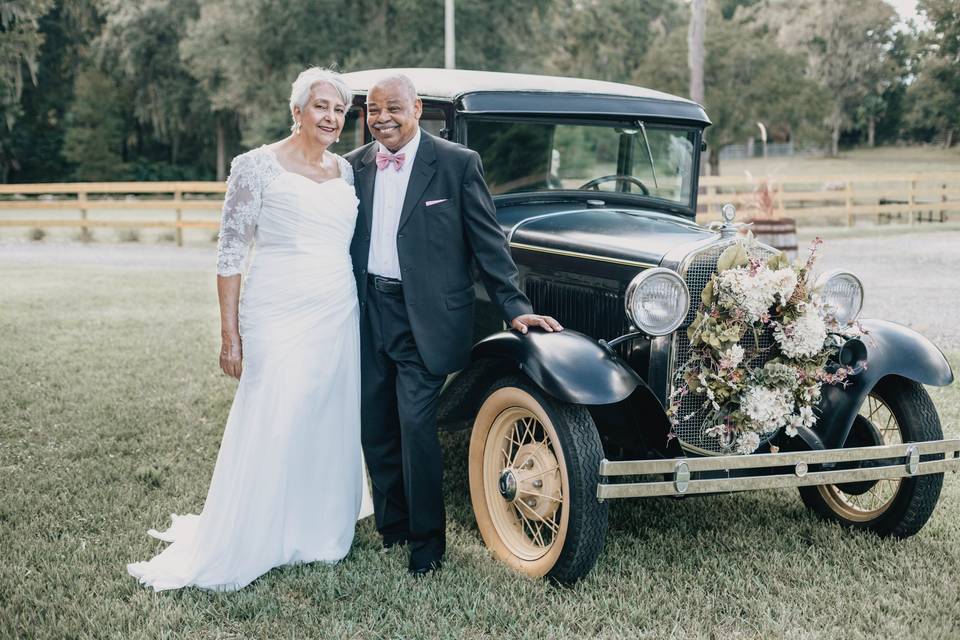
{"x": 895, "y": 461}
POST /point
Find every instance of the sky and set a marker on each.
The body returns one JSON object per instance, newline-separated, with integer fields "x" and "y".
{"x": 906, "y": 8}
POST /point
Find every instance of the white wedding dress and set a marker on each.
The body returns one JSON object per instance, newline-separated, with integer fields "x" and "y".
{"x": 289, "y": 483}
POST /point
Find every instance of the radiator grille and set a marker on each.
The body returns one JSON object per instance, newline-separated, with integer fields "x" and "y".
{"x": 599, "y": 313}
{"x": 759, "y": 349}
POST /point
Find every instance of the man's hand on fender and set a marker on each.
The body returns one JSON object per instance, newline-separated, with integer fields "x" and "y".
{"x": 527, "y": 320}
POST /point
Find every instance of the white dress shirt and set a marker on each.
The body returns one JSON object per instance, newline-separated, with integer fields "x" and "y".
{"x": 389, "y": 189}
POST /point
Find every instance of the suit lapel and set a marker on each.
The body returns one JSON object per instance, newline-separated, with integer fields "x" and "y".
{"x": 366, "y": 176}
{"x": 420, "y": 175}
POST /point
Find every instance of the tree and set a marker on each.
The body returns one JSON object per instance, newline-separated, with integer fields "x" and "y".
{"x": 935, "y": 94}
{"x": 747, "y": 78}
{"x": 96, "y": 127}
{"x": 139, "y": 46}
{"x": 19, "y": 51}
{"x": 846, "y": 45}
{"x": 603, "y": 40}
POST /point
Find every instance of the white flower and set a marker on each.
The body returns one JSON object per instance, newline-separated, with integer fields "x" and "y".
{"x": 766, "y": 408}
{"x": 794, "y": 422}
{"x": 748, "y": 442}
{"x": 732, "y": 357}
{"x": 716, "y": 430}
{"x": 754, "y": 291}
{"x": 786, "y": 281}
{"x": 807, "y": 416}
{"x": 802, "y": 338}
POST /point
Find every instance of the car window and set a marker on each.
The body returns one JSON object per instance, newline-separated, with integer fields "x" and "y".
{"x": 650, "y": 160}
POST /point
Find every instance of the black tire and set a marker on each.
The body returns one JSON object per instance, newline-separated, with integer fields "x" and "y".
{"x": 912, "y": 505}
{"x": 585, "y": 525}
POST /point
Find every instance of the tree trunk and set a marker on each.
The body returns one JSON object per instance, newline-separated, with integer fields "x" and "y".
{"x": 695, "y": 58}
{"x": 221, "y": 150}
{"x": 948, "y": 141}
{"x": 714, "y": 160}
{"x": 174, "y": 148}
{"x": 871, "y": 131}
{"x": 695, "y": 48}
{"x": 835, "y": 139}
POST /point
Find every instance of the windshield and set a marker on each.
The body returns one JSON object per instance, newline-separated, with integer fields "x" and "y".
{"x": 527, "y": 156}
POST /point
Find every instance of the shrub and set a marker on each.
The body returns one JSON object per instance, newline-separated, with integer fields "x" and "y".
{"x": 128, "y": 235}
{"x": 36, "y": 234}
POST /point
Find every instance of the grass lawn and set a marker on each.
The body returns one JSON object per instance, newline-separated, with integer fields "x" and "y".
{"x": 863, "y": 161}
{"x": 111, "y": 412}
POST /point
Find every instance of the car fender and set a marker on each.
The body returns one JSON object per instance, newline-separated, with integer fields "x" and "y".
{"x": 569, "y": 365}
{"x": 891, "y": 349}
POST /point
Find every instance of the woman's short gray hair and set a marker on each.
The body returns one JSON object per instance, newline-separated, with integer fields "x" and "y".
{"x": 308, "y": 78}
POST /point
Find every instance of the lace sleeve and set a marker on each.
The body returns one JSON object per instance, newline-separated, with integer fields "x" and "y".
{"x": 346, "y": 170}
{"x": 241, "y": 208}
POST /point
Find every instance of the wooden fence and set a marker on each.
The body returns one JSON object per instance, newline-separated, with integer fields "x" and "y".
{"x": 909, "y": 198}
{"x": 84, "y": 197}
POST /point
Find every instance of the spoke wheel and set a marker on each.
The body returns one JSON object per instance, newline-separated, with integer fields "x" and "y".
{"x": 524, "y": 484}
{"x": 534, "y": 469}
{"x": 896, "y": 411}
{"x": 863, "y": 502}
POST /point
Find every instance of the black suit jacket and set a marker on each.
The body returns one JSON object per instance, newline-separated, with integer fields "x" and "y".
{"x": 436, "y": 245}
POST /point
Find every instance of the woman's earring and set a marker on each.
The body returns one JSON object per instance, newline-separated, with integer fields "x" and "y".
{"x": 298, "y": 126}
{"x": 338, "y": 139}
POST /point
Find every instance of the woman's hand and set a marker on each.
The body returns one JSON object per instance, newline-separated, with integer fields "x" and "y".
{"x": 231, "y": 355}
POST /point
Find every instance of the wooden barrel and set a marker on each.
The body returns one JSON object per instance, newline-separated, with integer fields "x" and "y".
{"x": 779, "y": 233}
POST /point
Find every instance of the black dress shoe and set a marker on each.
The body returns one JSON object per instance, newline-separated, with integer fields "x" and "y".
{"x": 420, "y": 572}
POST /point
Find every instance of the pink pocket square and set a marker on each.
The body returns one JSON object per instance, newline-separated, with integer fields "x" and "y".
{"x": 430, "y": 203}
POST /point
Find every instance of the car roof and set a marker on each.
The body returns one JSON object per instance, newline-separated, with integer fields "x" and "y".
{"x": 496, "y": 92}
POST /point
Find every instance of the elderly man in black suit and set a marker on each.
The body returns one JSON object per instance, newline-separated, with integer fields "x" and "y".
{"x": 425, "y": 215}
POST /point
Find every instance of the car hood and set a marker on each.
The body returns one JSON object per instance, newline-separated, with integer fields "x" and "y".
{"x": 629, "y": 235}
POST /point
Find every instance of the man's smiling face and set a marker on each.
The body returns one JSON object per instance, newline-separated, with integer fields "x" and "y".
{"x": 393, "y": 112}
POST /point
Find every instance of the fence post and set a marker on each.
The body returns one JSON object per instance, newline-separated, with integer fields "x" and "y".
{"x": 943, "y": 198}
{"x": 178, "y": 197}
{"x": 849, "y": 204}
{"x": 82, "y": 201}
{"x": 913, "y": 198}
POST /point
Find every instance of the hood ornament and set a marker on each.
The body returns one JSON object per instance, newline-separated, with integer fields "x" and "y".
{"x": 728, "y": 228}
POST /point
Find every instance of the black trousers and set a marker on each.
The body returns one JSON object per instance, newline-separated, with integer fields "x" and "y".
{"x": 399, "y": 431}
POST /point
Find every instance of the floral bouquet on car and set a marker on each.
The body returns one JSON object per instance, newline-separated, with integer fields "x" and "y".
{"x": 760, "y": 346}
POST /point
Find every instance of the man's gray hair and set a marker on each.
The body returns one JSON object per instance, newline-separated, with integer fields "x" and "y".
{"x": 400, "y": 79}
{"x": 309, "y": 78}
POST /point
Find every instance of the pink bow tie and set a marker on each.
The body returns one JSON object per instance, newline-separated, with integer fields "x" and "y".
{"x": 384, "y": 160}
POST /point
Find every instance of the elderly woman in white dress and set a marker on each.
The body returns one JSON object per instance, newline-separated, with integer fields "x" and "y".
{"x": 288, "y": 485}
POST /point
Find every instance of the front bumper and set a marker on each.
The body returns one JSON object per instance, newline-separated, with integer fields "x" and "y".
{"x": 682, "y": 476}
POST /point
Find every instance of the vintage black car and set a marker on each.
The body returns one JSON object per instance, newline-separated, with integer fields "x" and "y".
{"x": 596, "y": 190}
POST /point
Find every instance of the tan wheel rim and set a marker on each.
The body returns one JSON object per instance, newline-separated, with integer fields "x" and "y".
{"x": 877, "y": 500}
{"x": 518, "y": 482}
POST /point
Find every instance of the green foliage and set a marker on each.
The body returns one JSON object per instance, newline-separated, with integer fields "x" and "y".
{"x": 935, "y": 94}
{"x": 748, "y": 78}
{"x": 20, "y": 41}
{"x": 96, "y": 127}
{"x": 19, "y": 50}
{"x": 193, "y": 77}
{"x": 847, "y": 48}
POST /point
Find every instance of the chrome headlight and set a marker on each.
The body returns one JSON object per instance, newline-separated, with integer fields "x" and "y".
{"x": 842, "y": 295}
{"x": 657, "y": 301}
